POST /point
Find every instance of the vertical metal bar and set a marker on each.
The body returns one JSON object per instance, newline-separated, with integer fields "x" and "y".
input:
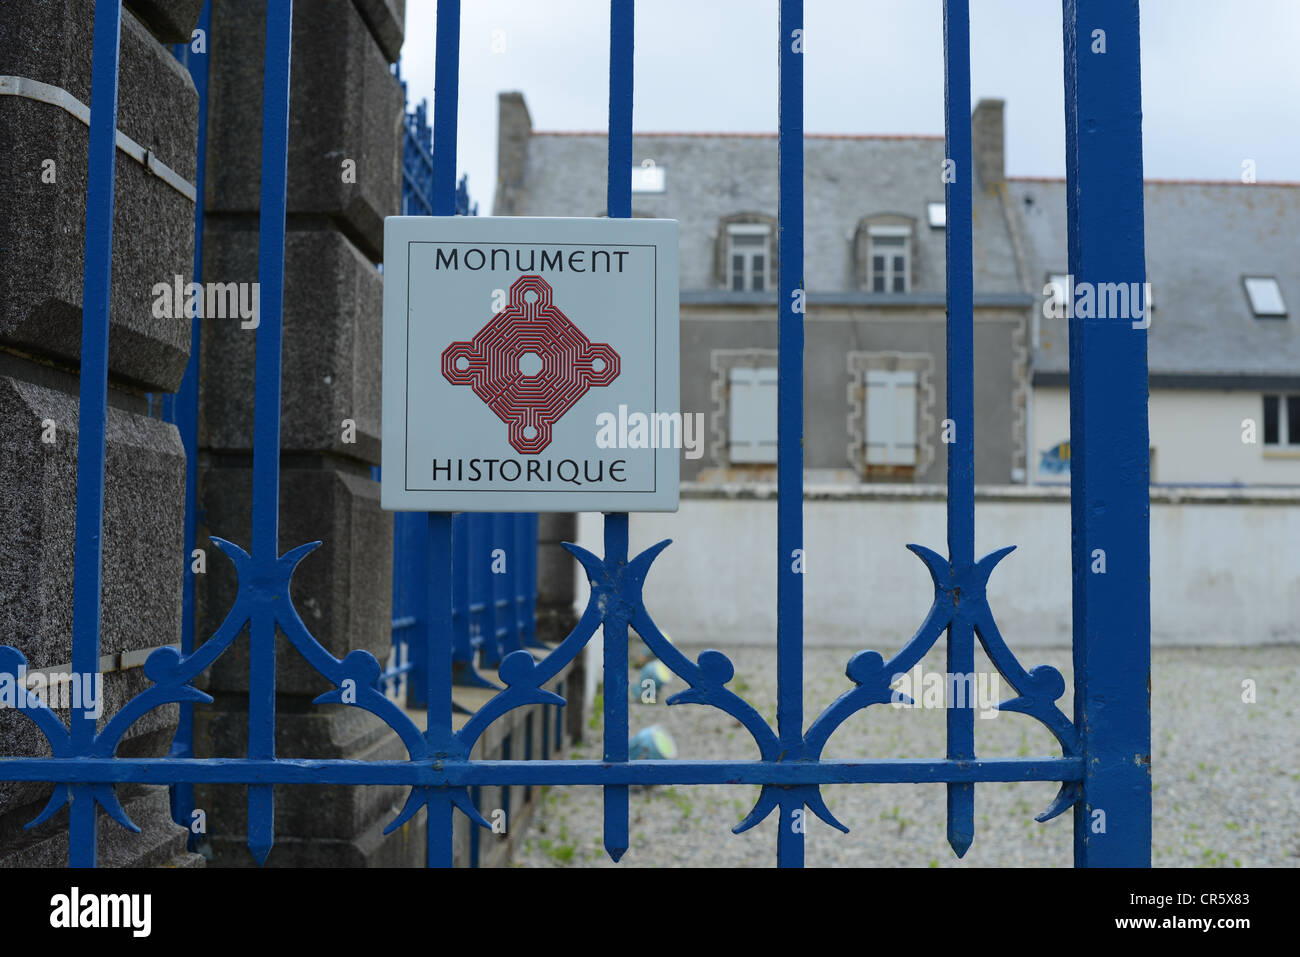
{"x": 789, "y": 416}
{"x": 519, "y": 574}
{"x": 961, "y": 395}
{"x": 1109, "y": 467}
{"x": 183, "y": 410}
{"x": 462, "y": 650}
{"x": 528, "y": 750}
{"x": 618, "y": 204}
{"x": 437, "y": 689}
{"x": 530, "y": 582}
{"x": 415, "y": 561}
{"x": 502, "y": 582}
{"x": 446, "y": 82}
{"x": 618, "y": 196}
{"x": 482, "y": 592}
{"x": 616, "y": 684}
{"x": 92, "y": 415}
{"x": 559, "y": 717}
{"x": 266, "y": 417}
{"x": 446, "y": 89}
{"x": 475, "y": 833}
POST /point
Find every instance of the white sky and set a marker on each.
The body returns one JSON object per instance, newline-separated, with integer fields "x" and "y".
{"x": 1221, "y": 82}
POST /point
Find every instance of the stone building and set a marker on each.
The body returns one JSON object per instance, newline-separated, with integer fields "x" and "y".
{"x": 874, "y": 261}
{"x": 1223, "y": 264}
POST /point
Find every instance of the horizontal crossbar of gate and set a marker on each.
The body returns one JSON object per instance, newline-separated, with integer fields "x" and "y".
{"x": 462, "y": 773}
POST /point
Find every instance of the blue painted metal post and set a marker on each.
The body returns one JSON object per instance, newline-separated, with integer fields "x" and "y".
{"x": 446, "y": 81}
{"x": 183, "y": 410}
{"x": 92, "y": 414}
{"x": 438, "y": 678}
{"x": 415, "y": 538}
{"x": 1109, "y": 467}
{"x": 501, "y": 582}
{"x": 961, "y": 397}
{"x": 462, "y": 648}
{"x": 789, "y": 422}
{"x": 266, "y": 420}
{"x": 530, "y": 582}
{"x": 618, "y": 203}
{"x": 481, "y": 590}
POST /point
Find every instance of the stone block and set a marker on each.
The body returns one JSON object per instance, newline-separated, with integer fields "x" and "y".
{"x": 344, "y": 105}
{"x": 387, "y": 22}
{"x": 172, "y": 21}
{"x": 144, "y": 503}
{"x": 314, "y": 825}
{"x": 306, "y": 811}
{"x": 142, "y": 553}
{"x": 42, "y": 224}
{"x": 403, "y": 848}
{"x": 342, "y": 591}
{"x": 160, "y": 843}
{"x": 150, "y": 736}
{"x": 332, "y": 349}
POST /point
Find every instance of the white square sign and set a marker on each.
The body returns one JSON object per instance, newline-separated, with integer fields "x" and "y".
{"x": 530, "y": 364}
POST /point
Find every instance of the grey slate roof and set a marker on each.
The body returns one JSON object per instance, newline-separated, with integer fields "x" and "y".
{"x": 709, "y": 176}
{"x": 1201, "y": 238}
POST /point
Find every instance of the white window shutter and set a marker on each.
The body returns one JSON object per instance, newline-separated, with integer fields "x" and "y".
{"x": 904, "y": 418}
{"x": 880, "y": 416}
{"x": 752, "y": 426}
{"x": 891, "y": 417}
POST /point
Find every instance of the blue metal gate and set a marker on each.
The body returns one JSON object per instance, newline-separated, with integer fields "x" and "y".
{"x": 1104, "y": 764}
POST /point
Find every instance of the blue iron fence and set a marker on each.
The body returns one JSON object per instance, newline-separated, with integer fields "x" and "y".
{"x": 494, "y": 595}
{"x": 417, "y": 163}
{"x": 1104, "y": 764}
{"x": 494, "y": 598}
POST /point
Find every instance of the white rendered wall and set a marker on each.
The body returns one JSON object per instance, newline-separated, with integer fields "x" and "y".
{"x": 1197, "y": 435}
{"x": 1225, "y": 567}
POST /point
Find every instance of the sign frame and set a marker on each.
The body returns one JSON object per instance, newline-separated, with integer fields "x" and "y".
{"x": 431, "y": 296}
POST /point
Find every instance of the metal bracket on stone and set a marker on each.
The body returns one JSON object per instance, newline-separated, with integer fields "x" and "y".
{"x": 107, "y": 663}
{"x": 57, "y": 96}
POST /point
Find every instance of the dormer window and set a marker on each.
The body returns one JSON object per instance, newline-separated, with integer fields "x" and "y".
{"x": 748, "y": 262}
{"x": 1265, "y": 296}
{"x": 889, "y": 257}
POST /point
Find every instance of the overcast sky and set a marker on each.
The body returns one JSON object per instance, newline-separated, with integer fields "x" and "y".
{"x": 1221, "y": 81}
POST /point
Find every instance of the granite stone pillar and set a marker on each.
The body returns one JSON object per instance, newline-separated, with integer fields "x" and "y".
{"x": 344, "y": 178}
{"x": 42, "y": 233}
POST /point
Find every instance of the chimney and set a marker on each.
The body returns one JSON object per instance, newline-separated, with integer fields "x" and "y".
{"x": 514, "y": 128}
{"x": 987, "y": 143}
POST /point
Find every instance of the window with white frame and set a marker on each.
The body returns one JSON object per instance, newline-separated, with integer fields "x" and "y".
{"x": 747, "y": 257}
{"x": 1282, "y": 421}
{"x": 889, "y": 257}
{"x": 891, "y": 417}
{"x": 1265, "y": 296}
{"x": 751, "y": 426}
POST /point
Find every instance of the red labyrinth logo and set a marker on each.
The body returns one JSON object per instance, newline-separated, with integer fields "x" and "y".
{"x": 530, "y": 364}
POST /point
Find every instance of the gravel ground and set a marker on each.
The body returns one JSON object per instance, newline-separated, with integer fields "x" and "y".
{"x": 1226, "y": 775}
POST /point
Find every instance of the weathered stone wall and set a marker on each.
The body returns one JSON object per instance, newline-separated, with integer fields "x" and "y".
{"x": 344, "y": 177}
{"x": 43, "y": 167}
